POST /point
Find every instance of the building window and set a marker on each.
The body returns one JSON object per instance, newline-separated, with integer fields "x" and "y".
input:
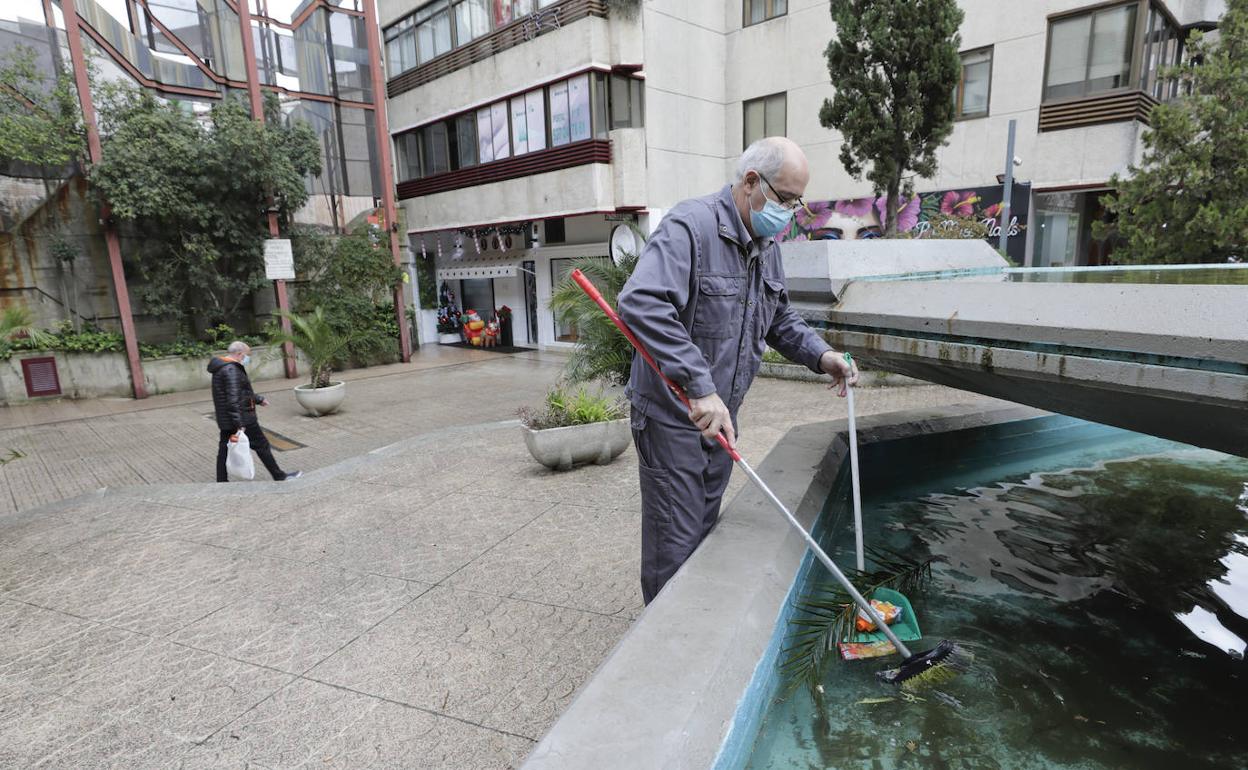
{"x": 1090, "y": 53}
{"x": 626, "y": 102}
{"x": 1163, "y": 47}
{"x": 756, "y": 11}
{"x": 466, "y": 140}
{"x": 970, "y": 98}
{"x": 559, "y": 134}
{"x": 765, "y": 116}
{"x": 578, "y": 110}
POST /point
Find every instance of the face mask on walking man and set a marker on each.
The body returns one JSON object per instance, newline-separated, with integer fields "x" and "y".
{"x": 707, "y": 297}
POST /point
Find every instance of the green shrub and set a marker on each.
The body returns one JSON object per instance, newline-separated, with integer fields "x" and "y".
{"x": 564, "y": 408}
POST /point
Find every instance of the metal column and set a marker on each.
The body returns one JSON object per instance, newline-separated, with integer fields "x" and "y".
{"x": 257, "y": 112}
{"x": 371, "y": 30}
{"x": 79, "y": 63}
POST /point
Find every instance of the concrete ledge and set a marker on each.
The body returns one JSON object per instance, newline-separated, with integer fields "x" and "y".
{"x": 866, "y": 379}
{"x": 677, "y": 691}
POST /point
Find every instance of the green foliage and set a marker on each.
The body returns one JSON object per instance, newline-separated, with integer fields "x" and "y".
{"x": 14, "y": 454}
{"x": 894, "y": 64}
{"x": 352, "y": 280}
{"x": 196, "y": 192}
{"x": 40, "y": 121}
{"x": 62, "y": 338}
{"x": 825, "y": 616}
{"x": 315, "y": 335}
{"x": 601, "y": 352}
{"x": 427, "y": 282}
{"x": 1188, "y": 200}
{"x": 564, "y": 408}
{"x": 18, "y": 322}
{"x": 773, "y": 357}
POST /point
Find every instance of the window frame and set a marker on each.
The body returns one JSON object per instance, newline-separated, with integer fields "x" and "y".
{"x": 745, "y": 140}
{"x": 768, "y": 5}
{"x": 1138, "y": 28}
{"x": 537, "y": 100}
{"x": 959, "y": 92}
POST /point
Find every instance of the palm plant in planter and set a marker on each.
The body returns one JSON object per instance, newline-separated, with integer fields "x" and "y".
{"x": 316, "y": 338}
{"x": 575, "y": 428}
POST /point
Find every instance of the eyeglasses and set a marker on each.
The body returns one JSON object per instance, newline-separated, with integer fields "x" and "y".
{"x": 791, "y": 204}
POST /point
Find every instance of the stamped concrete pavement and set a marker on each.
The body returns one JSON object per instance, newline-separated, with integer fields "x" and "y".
{"x": 431, "y": 603}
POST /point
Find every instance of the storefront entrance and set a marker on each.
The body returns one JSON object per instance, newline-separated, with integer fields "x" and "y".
{"x": 1064, "y": 229}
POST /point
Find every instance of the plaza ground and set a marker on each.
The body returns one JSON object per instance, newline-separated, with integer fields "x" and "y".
{"x": 428, "y": 596}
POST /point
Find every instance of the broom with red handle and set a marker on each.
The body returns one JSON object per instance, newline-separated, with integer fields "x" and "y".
{"x": 935, "y": 664}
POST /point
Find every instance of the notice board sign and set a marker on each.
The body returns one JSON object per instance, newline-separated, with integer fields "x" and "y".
{"x": 279, "y": 260}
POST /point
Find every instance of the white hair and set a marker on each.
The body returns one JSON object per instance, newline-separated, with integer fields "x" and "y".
{"x": 766, "y": 156}
{"x": 237, "y": 346}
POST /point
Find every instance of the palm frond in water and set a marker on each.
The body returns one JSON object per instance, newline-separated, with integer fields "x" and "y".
{"x": 825, "y": 616}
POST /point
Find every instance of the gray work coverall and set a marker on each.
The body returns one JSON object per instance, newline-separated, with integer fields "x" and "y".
{"x": 703, "y": 300}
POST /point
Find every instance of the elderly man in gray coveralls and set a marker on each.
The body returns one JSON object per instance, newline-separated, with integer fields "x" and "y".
{"x": 707, "y": 293}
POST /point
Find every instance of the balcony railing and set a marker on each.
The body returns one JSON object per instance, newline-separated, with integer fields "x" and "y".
{"x": 1111, "y": 107}
{"x": 540, "y": 162}
{"x": 519, "y": 31}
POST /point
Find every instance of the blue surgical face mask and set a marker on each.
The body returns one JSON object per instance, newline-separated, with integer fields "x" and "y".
{"x": 771, "y": 221}
{"x": 246, "y": 360}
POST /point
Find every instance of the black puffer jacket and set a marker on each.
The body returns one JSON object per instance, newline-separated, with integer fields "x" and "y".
{"x": 232, "y": 396}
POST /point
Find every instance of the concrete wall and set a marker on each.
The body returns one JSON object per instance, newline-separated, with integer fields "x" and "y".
{"x": 97, "y": 375}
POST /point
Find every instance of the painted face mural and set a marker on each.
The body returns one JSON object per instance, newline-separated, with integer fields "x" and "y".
{"x": 923, "y": 215}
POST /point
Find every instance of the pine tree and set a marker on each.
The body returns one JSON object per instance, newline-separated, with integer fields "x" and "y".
{"x": 894, "y": 65}
{"x": 1188, "y": 199}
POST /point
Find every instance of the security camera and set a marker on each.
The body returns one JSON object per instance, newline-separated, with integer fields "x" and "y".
{"x": 534, "y": 238}
{"x": 1018, "y": 161}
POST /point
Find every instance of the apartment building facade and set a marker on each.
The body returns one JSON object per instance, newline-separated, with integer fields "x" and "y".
{"x": 530, "y": 132}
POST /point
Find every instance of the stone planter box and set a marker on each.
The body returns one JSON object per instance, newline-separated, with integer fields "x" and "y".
{"x": 562, "y": 448}
{"x": 107, "y": 375}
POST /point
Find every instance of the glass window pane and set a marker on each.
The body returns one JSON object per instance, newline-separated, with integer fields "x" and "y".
{"x": 441, "y": 32}
{"x": 519, "y": 126}
{"x": 485, "y": 136}
{"x": 465, "y": 126}
{"x": 619, "y": 102}
{"x": 754, "y": 10}
{"x": 774, "y": 122}
{"x": 498, "y": 116}
{"x": 437, "y": 151}
{"x": 472, "y": 20}
{"x": 559, "y": 114}
{"x": 424, "y": 34}
{"x": 753, "y": 121}
{"x": 975, "y": 85}
{"x": 1068, "y": 57}
{"x": 1112, "y": 33}
{"x": 779, "y": 7}
{"x": 578, "y": 108}
{"x": 535, "y": 103}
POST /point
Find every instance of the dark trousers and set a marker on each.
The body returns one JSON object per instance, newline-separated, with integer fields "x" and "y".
{"x": 683, "y": 477}
{"x": 259, "y": 445}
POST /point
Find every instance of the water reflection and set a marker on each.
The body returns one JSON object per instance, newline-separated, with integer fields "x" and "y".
{"x": 1107, "y": 609}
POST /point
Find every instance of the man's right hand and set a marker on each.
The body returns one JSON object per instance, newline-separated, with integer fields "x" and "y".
{"x": 711, "y": 416}
{"x": 234, "y": 438}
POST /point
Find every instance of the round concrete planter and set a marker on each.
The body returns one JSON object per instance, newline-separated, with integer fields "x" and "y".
{"x": 321, "y": 401}
{"x": 562, "y": 448}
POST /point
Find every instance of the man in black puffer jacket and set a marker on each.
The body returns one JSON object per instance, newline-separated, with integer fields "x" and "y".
{"x": 235, "y": 404}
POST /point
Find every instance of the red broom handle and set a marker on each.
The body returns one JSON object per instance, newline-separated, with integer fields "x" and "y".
{"x": 588, "y": 287}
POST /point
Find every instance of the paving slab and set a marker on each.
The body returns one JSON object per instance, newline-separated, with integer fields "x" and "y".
{"x": 427, "y": 596}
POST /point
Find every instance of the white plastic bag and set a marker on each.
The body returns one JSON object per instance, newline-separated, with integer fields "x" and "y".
{"x": 238, "y": 462}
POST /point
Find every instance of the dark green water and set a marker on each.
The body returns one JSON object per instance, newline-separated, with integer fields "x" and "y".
{"x": 1100, "y": 578}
